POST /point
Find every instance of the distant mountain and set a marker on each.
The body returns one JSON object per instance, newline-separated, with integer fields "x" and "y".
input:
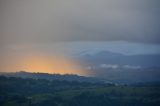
{"x": 107, "y": 57}
{"x": 122, "y": 68}
{"x": 65, "y": 77}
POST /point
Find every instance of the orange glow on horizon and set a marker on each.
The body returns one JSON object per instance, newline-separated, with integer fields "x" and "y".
{"x": 45, "y": 64}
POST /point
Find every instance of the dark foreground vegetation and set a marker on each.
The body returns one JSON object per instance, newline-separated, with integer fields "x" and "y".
{"x": 32, "y": 92}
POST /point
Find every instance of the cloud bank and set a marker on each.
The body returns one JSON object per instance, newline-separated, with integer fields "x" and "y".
{"x": 49, "y": 21}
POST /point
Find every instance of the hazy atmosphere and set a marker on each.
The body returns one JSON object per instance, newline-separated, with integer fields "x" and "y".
{"x": 51, "y": 35}
{"x": 79, "y": 52}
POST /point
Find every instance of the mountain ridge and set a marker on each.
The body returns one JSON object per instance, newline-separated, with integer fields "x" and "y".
{"x": 47, "y": 76}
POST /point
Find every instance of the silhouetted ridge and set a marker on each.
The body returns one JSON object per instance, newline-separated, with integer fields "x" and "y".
{"x": 47, "y": 76}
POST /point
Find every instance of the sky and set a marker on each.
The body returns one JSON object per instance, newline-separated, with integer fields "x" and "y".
{"x": 56, "y": 28}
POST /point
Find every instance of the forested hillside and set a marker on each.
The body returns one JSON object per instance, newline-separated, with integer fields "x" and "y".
{"x": 32, "y": 92}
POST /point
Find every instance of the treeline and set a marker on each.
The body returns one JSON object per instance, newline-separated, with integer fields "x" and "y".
{"x": 38, "y": 92}
{"x": 66, "y": 77}
{"x": 33, "y": 86}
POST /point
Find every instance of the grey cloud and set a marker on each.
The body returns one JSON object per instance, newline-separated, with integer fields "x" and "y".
{"x": 47, "y": 21}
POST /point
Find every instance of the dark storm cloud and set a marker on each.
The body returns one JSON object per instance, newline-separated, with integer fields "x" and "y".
{"x": 47, "y": 21}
